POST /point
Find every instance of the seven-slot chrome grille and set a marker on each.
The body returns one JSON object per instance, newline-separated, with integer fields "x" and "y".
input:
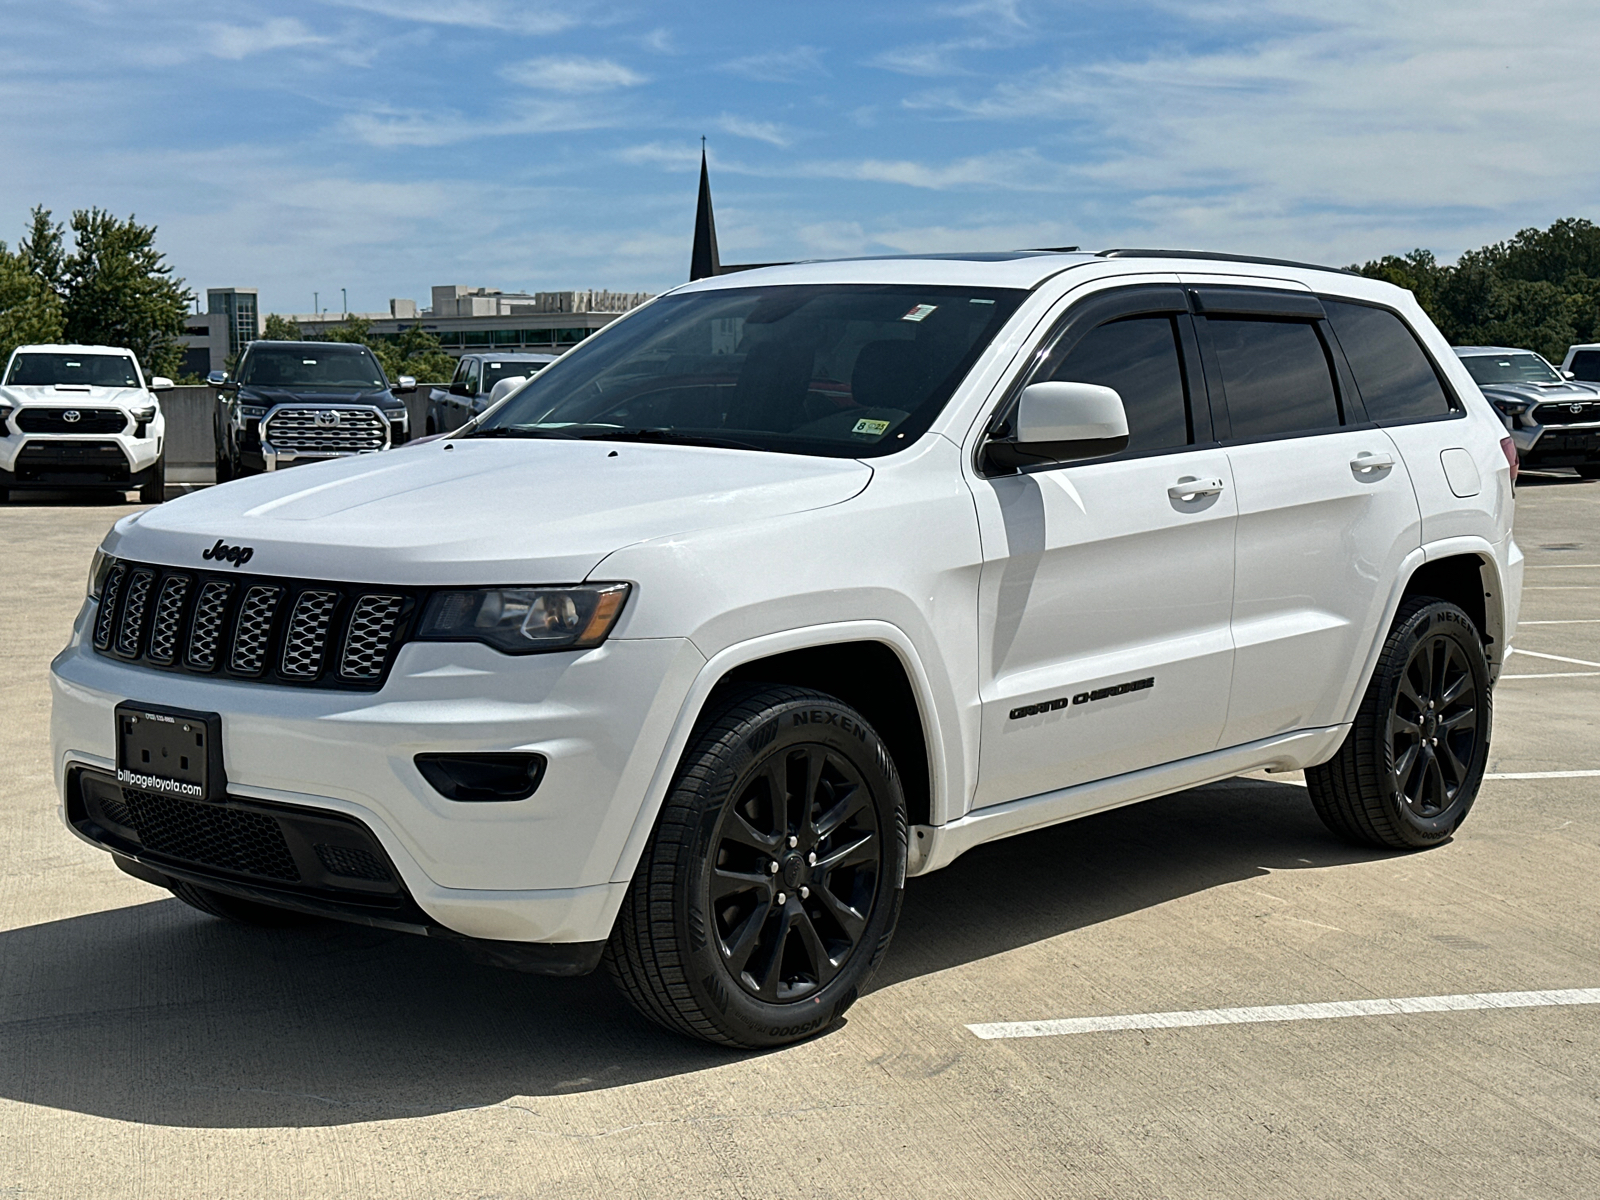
{"x": 288, "y": 631}
{"x": 326, "y": 430}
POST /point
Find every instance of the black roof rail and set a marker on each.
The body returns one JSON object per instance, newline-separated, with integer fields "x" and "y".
{"x": 1239, "y": 258}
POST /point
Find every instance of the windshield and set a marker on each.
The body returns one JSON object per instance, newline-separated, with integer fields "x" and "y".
{"x": 1522, "y": 367}
{"x": 846, "y": 370}
{"x": 494, "y": 372}
{"x": 331, "y": 366}
{"x": 96, "y": 370}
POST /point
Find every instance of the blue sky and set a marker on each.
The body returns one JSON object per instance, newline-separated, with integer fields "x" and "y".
{"x": 387, "y": 145}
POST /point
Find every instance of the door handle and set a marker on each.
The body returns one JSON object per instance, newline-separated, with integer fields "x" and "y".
{"x": 1367, "y": 462}
{"x": 1193, "y": 489}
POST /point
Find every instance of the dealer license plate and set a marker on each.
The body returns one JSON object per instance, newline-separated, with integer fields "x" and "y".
{"x": 170, "y": 751}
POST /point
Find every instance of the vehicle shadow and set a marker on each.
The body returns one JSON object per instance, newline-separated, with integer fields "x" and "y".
{"x": 156, "y": 1014}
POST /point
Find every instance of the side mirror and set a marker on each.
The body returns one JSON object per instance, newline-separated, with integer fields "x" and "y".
{"x": 459, "y": 389}
{"x": 160, "y": 383}
{"x": 217, "y": 378}
{"x": 406, "y": 383}
{"x": 1062, "y": 422}
{"x": 1565, "y": 374}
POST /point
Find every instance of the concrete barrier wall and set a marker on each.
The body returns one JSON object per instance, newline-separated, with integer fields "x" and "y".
{"x": 191, "y": 444}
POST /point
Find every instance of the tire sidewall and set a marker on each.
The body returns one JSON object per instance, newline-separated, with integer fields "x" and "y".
{"x": 816, "y": 720}
{"x": 1435, "y": 619}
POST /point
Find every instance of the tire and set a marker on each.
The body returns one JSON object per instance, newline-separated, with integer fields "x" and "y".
{"x": 154, "y": 490}
{"x": 713, "y": 953}
{"x": 1389, "y": 784}
{"x": 224, "y": 464}
{"x": 236, "y": 909}
{"x": 5, "y": 495}
{"x": 1589, "y": 471}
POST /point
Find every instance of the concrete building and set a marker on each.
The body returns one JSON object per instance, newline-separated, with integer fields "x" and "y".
{"x": 467, "y": 319}
{"x": 205, "y": 344}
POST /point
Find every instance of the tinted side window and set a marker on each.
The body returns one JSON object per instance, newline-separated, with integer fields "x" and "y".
{"x": 1138, "y": 357}
{"x": 1586, "y": 365}
{"x": 1397, "y": 381}
{"x": 1276, "y": 375}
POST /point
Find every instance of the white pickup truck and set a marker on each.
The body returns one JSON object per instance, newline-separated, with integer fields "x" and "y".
{"x": 81, "y": 417}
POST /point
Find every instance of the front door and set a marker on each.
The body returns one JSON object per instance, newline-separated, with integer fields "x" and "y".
{"x": 1107, "y": 585}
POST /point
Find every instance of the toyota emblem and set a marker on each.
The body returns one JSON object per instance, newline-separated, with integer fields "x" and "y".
{"x": 72, "y": 416}
{"x": 1577, "y": 408}
{"x": 328, "y": 418}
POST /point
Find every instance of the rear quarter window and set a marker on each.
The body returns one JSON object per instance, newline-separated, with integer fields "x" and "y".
{"x": 1586, "y": 365}
{"x": 1396, "y": 379}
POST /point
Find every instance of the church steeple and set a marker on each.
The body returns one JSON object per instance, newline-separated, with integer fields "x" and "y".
{"x": 704, "y": 261}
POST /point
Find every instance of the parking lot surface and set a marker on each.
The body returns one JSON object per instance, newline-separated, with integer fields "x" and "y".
{"x": 147, "y": 1050}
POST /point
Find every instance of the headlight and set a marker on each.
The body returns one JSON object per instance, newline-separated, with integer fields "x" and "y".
{"x": 525, "y": 620}
{"x": 99, "y": 566}
{"x": 1512, "y": 408}
{"x": 147, "y": 413}
{"x": 249, "y": 412}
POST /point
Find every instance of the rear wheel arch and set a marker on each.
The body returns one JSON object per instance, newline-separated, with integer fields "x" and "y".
{"x": 1471, "y": 582}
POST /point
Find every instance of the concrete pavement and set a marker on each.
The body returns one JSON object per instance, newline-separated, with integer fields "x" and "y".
{"x": 146, "y": 1050}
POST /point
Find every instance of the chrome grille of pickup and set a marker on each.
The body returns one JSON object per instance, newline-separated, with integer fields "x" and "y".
{"x": 326, "y": 430}
{"x": 84, "y": 420}
{"x": 246, "y": 627}
{"x": 1582, "y": 413}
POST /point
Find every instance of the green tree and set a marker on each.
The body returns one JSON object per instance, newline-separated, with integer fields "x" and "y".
{"x": 42, "y": 250}
{"x": 280, "y": 329}
{"x": 414, "y": 352}
{"x": 120, "y": 290}
{"x": 30, "y": 313}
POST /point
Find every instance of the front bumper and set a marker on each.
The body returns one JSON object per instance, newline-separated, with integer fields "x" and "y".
{"x": 1556, "y": 445}
{"x": 536, "y": 870}
{"x": 95, "y": 460}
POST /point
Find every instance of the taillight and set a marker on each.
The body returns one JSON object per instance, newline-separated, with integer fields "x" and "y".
{"x": 1509, "y": 449}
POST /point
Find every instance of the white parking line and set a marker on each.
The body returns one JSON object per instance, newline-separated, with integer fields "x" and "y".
{"x": 1561, "y": 587}
{"x": 1490, "y": 775}
{"x": 1555, "y": 675}
{"x": 1573, "y": 621}
{"x": 1288, "y": 1012}
{"x": 1564, "y": 566}
{"x": 1580, "y": 662}
{"x": 1546, "y": 775}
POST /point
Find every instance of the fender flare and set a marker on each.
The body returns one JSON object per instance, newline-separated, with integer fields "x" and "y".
{"x": 1494, "y": 604}
{"x": 718, "y": 665}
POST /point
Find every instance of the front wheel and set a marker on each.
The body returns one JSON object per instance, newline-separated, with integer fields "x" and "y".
{"x": 772, "y": 883}
{"x": 1590, "y": 471}
{"x": 154, "y": 489}
{"x": 1410, "y": 768}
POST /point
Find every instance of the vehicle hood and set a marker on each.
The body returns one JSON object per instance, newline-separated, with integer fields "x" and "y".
{"x": 269, "y": 396}
{"x": 73, "y": 396}
{"x": 479, "y": 511}
{"x": 1570, "y": 392}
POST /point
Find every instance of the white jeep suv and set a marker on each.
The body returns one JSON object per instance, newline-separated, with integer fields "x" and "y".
{"x": 81, "y": 417}
{"x": 798, "y": 582}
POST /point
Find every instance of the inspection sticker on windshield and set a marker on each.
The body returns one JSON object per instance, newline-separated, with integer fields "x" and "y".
{"x": 871, "y": 428}
{"x": 919, "y": 312}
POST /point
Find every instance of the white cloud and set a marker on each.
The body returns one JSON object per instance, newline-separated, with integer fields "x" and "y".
{"x": 507, "y": 15}
{"x": 572, "y": 74}
{"x": 389, "y": 127}
{"x": 240, "y": 41}
{"x": 1005, "y": 170}
{"x": 761, "y": 131}
{"x": 783, "y": 66}
{"x": 926, "y": 60}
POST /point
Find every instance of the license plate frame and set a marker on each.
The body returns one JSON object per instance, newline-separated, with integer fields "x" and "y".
{"x": 171, "y": 752}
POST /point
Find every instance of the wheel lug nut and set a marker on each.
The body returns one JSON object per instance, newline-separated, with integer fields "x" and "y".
{"x": 805, "y": 893}
{"x": 772, "y": 867}
{"x": 793, "y": 841}
{"x": 782, "y": 899}
{"x": 811, "y": 859}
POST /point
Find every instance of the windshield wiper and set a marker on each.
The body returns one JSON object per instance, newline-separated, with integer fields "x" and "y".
{"x": 669, "y": 435}
{"x": 518, "y": 431}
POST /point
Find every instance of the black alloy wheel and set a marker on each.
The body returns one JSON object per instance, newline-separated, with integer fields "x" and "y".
{"x": 1433, "y": 726}
{"x": 1410, "y": 768}
{"x": 798, "y": 861}
{"x": 772, "y": 883}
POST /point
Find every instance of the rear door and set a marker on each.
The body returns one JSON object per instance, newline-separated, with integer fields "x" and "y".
{"x": 1107, "y": 585}
{"x": 1326, "y": 510}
